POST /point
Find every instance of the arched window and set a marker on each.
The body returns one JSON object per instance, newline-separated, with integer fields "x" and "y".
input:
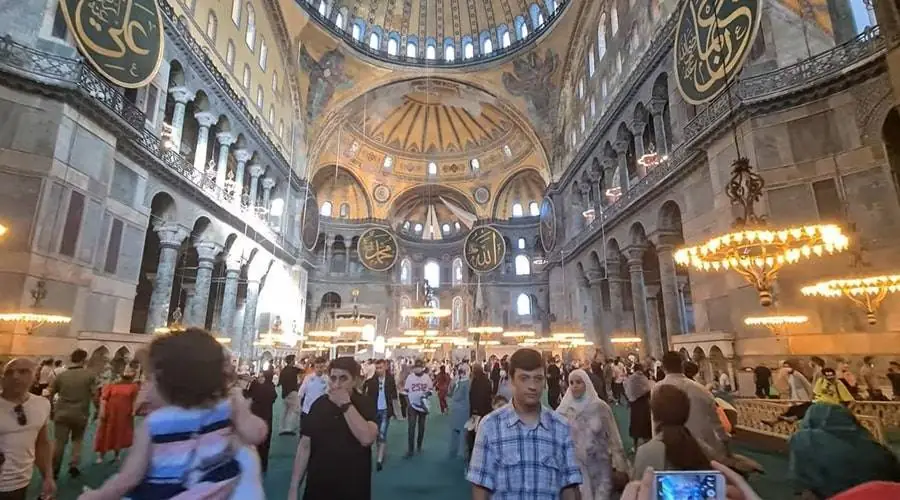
{"x": 593, "y": 107}
{"x": 417, "y": 228}
{"x": 487, "y": 46}
{"x": 582, "y": 124}
{"x": 259, "y": 96}
{"x": 523, "y": 265}
{"x": 445, "y": 228}
{"x": 339, "y": 20}
{"x": 246, "y": 79}
{"x": 581, "y": 88}
{"x": 388, "y": 162}
{"x": 551, "y": 6}
{"x": 322, "y": 8}
{"x": 263, "y": 53}
{"x": 517, "y": 209}
{"x": 432, "y": 274}
{"x": 271, "y": 114}
{"x": 505, "y": 40}
{"x": 411, "y": 50}
{"x": 229, "y": 55}
{"x": 250, "y": 37}
{"x": 405, "y": 272}
{"x": 404, "y": 320}
{"x": 212, "y": 24}
{"x": 537, "y": 18}
{"x": 592, "y": 66}
{"x": 475, "y": 164}
{"x": 520, "y": 243}
{"x": 356, "y": 32}
{"x": 430, "y": 52}
{"x": 374, "y": 41}
{"x": 601, "y": 37}
{"x": 468, "y": 50}
{"x": 613, "y": 21}
{"x": 236, "y": 12}
{"x": 534, "y": 209}
{"x": 281, "y": 129}
{"x": 325, "y": 211}
{"x": 523, "y": 31}
{"x": 392, "y": 47}
{"x": 457, "y": 271}
{"x": 523, "y": 305}
{"x": 449, "y": 53}
{"x": 345, "y": 210}
{"x": 274, "y": 81}
{"x": 432, "y": 168}
{"x": 456, "y": 225}
{"x": 457, "y": 313}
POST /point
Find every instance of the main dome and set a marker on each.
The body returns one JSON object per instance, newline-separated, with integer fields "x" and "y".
{"x": 435, "y": 32}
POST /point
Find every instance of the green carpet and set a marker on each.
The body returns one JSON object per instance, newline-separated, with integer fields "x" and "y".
{"x": 430, "y": 476}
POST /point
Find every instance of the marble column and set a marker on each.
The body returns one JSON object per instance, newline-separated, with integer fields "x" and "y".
{"x": 171, "y": 236}
{"x": 616, "y": 292}
{"x": 255, "y": 272}
{"x": 657, "y": 348}
{"x": 229, "y": 299}
{"x": 181, "y": 95}
{"x": 657, "y": 107}
{"x": 188, "y": 289}
{"x": 205, "y": 120}
{"x": 668, "y": 279}
{"x": 267, "y": 184}
{"x": 639, "y": 295}
{"x": 242, "y": 156}
{"x": 609, "y": 172}
{"x": 621, "y": 149}
{"x": 637, "y": 129}
{"x": 206, "y": 258}
{"x": 255, "y": 172}
{"x": 226, "y": 139}
{"x": 602, "y": 317}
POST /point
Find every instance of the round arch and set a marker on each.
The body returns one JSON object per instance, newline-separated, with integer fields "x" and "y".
{"x": 524, "y": 186}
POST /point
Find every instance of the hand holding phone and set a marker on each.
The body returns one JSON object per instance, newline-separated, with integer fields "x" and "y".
{"x": 688, "y": 485}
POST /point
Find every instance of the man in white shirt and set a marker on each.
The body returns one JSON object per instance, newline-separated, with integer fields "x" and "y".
{"x": 418, "y": 387}
{"x": 703, "y": 420}
{"x": 24, "y": 439}
{"x": 312, "y": 388}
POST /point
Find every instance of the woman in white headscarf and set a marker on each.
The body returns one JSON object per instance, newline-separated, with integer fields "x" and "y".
{"x": 598, "y": 444}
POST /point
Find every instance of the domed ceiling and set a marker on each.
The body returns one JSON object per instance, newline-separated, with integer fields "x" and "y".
{"x": 428, "y": 130}
{"x": 435, "y": 32}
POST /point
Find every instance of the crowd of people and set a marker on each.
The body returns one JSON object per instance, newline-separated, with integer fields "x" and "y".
{"x": 206, "y": 433}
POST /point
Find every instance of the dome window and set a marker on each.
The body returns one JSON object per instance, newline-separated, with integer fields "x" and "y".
{"x": 505, "y": 40}
{"x": 468, "y": 50}
{"x": 392, "y": 47}
{"x": 417, "y": 228}
{"x": 523, "y": 265}
{"x": 520, "y": 244}
{"x": 432, "y": 168}
{"x": 475, "y": 164}
{"x": 445, "y": 228}
{"x": 325, "y": 211}
{"x": 533, "y": 209}
{"x": 411, "y": 50}
{"x": 507, "y": 151}
{"x": 374, "y": 41}
{"x": 430, "y": 52}
{"x": 388, "y": 162}
{"x": 517, "y": 210}
{"x": 449, "y": 53}
{"x": 357, "y": 32}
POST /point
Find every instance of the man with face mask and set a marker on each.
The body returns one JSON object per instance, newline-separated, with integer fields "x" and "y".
{"x": 801, "y": 389}
{"x": 418, "y": 387}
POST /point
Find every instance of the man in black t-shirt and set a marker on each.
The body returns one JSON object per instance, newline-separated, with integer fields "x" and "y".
{"x": 554, "y": 376}
{"x": 335, "y": 450}
{"x": 762, "y": 377}
{"x": 288, "y": 379}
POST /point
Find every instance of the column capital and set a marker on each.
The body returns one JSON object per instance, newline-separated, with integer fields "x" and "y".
{"x": 637, "y": 127}
{"x": 658, "y": 105}
{"x": 620, "y": 147}
{"x": 268, "y": 183}
{"x": 206, "y": 119}
{"x": 635, "y": 256}
{"x": 608, "y": 164}
{"x": 182, "y": 94}
{"x": 243, "y": 155}
{"x": 226, "y": 138}
{"x": 256, "y": 170}
{"x": 595, "y": 278}
{"x": 170, "y": 234}
{"x": 207, "y": 251}
{"x": 233, "y": 262}
{"x": 666, "y": 241}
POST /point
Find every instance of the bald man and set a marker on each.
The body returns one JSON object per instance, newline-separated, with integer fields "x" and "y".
{"x": 24, "y": 439}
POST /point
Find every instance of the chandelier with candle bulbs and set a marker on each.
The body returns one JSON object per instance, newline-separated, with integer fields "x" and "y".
{"x": 34, "y": 319}
{"x": 867, "y": 292}
{"x": 754, "y": 250}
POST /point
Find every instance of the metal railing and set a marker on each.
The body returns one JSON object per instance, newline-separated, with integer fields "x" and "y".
{"x": 822, "y": 67}
{"x": 74, "y": 75}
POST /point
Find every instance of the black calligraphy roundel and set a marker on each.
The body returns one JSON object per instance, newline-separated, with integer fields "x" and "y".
{"x": 377, "y": 249}
{"x": 548, "y": 225}
{"x": 712, "y": 40}
{"x": 309, "y": 227}
{"x": 484, "y": 249}
{"x": 122, "y": 39}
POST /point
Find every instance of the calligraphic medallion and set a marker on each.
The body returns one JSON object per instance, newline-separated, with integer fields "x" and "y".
{"x": 484, "y": 249}
{"x": 547, "y": 228}
{"x": 309, "y": 225}
{"x": 377, "y": 249}
{"x": 123, "y": 39}
{"x": 712, "y": 40}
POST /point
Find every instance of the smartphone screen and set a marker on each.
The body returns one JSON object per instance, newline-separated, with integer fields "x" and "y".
{"x": 689, "y": 485}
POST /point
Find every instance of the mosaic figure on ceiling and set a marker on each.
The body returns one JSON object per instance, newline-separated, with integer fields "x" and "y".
{"x": 326, "y": 76}
{"x": 532, "y": 79}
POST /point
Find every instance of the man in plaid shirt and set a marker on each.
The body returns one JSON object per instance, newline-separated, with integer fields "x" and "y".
{"x": 523, "y": 451}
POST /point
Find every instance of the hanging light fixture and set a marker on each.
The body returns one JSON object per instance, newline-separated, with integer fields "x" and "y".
{"x": 867, "y": 292}
{"x": 33, "y": 319}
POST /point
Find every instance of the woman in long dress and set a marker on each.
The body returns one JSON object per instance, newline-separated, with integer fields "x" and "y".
{"x": 262, "y": 396}
{"x": 116, "y": 413}
{"x": 459, "y": 408}
{"x": 598, "y": 444}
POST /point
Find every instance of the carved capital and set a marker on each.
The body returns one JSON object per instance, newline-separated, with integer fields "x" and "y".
{"x": 620, "y": 147}
{"x": 171, "y": 235}
{"x": 595, "y": 278}
{"x": 658, "y": 105}
{"x": 226, "y": 138}
{"x": 256, "y": 170}
{"x": 243, "y": 155}
{"x": 635, "y": 256}
{"x": 206, "y": 119}
{"x": 207, "y": 251}
{"x": 666, "y": 241}
{"x": 233, "y": 262}
{"x": 268, "y": 183}
{"x": 182, "y": 94}
{"x": 637, "y": 127}
{"x": 609, "y": 164}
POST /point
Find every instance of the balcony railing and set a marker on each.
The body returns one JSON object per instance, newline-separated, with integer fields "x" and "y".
{"x": 805, "y": 74}
{"x": 72, "y": 74}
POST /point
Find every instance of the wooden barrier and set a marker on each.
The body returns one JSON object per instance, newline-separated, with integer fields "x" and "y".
{"x": 875, "y": 416}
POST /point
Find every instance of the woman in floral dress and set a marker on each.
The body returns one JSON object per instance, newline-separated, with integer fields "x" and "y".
{"x": 598, "y": 444}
